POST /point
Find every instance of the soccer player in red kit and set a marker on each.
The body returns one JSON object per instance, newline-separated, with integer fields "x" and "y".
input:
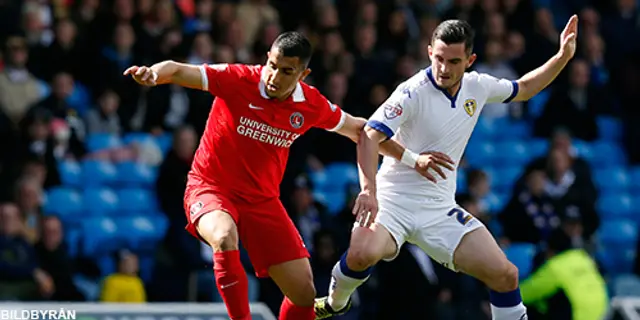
{"x": 233, "y": 187}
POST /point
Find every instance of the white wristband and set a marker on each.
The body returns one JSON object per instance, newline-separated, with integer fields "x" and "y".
{"x": 409, "y": 158}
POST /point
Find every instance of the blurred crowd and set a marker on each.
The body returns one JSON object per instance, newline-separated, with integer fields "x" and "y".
{"x": 61, "y": 81}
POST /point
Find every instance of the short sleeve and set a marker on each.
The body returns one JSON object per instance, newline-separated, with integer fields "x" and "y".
{"x": 499, "y": 90}
{"x": 394, "y": 111}
{"x": 217, "y": 76}
{"x": 331, "y": 117}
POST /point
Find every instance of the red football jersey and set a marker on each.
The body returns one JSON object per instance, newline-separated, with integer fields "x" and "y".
{"x": 246, "y": 141}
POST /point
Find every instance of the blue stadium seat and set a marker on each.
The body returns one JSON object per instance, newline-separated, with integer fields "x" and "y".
{"x": 461, "y": 181}
{"x": 480, "y": 154}
{"x": 617, "y": 259}
{"x": 101, "y": 141}
{"x": 142, "y": 232}
{"x": 617, "y": 239}
{"x": 634, "y": 178}
{"x": 137, "y": 201}
{"x": 165, "y": 141}
{"x": 334, "y": 201}
{"x": 100, "y": 201}
{"x": 615, "y": 206}
{"x": 583, "y": 150}
{"x": 98, "y": 173}
{"x": 513, "y": 152}
{"x": 65, "y": 203}
{"x": 70, "y": 173}
{"x": 538, "y": 147}
{"x": 609, "y": 128}
{"x": 613, "y": 179}
{"x": 511, "y": 129}
{"x": 627, "y": 285}
{"x": 505, "y": 178}
{"x": 319, "y": 180}
{"x": 495, "y": 202}
{"x": 535, "y": 106}
{"x": 133, "y": 174}
{"x": 521, "y": 255}
{"x": 608, "y": 154}
{"x": 485, "y": 129}
{"x": 341, "y": 174}
{"x": 619, "y": 232}
{"x": 141, "y": 138}
{"x": 101, "y": 236}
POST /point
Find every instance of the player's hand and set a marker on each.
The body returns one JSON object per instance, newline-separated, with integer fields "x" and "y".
{"x": 436, "y": 161}
{"x": 365, "y": 208}
{"x": 568, "y": 38}
{"x": 142, "y": 75}
{"x": 45, "y": 282}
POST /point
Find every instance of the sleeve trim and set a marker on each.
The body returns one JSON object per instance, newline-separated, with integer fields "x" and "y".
{"x": 514, "y": 92}
{"x": 343, "y": 118}
{"x": 205, "y": 79}
{"x": 380, "y": 126}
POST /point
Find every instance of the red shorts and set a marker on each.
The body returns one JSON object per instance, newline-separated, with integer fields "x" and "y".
{"x": 265, "y": 229}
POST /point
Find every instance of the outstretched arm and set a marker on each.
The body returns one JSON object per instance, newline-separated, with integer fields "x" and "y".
{"x": 352, "y": 128}
{"x": 182, "y": 74}
{"x": 535, "y": 81}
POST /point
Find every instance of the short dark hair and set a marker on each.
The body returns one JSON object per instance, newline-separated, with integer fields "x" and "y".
{"x": 294, "y": 44}
{"x": 455, "y": 31}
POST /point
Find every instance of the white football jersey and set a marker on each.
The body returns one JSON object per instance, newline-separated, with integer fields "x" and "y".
{"x": 424, "y": 117}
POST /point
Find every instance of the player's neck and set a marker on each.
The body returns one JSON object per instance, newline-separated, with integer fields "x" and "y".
{"x": 283, "y": 97}
{"x": 453, "y": 90}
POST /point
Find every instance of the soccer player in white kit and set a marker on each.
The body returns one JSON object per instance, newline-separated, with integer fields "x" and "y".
{"x": 434, "y": 112}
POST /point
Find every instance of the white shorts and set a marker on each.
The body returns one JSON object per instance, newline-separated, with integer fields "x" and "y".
{"x": 436, "y": 228}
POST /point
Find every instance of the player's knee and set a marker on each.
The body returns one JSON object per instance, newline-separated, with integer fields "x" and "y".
{"x": 506, "y": 279}
{"x": 224, "y": 240}
{"x": 362, "y": 257}
{"x": 304, "y": 295}
{"x": 219, "y": 230}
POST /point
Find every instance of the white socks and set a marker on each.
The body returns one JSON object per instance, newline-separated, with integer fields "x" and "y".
{"x": 507, "y": 305}
{"x": 344, "y": 282}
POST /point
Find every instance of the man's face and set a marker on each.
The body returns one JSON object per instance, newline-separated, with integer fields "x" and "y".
{"x": 281, "y": 74}
{"x": 449, "y": 62}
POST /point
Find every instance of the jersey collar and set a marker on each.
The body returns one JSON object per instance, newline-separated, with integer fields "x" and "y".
{"x": 443, "y": 90}
{"x": 297, "y": 95}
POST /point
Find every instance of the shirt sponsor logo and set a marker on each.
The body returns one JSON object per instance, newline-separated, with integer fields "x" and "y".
{"x": 265, "y": 133}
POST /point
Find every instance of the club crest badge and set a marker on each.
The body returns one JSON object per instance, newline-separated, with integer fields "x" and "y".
{"x": 296, "y": 120}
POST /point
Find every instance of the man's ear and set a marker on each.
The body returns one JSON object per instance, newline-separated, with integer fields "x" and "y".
{"x": 472, "y": 59}
{"x": 305, "y": 73}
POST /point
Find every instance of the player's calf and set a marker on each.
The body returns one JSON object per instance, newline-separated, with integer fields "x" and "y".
{"x": 219, "y": 230}
{"x": 295, "y": 280}
{"x": 479, "y": 255}
{"x": 368, "y": 246}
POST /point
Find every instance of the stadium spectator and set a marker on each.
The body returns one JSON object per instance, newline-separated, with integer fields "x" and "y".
{"x": 530, "y": 216}
{"x": 54, "y": 259}
{"x": 18, "y": 87}
{"x": 59, "y": 57}
{"x": 574, "y": 107}
{"x": 104, "y": 118}
{"x": 124, "y": 286}
{"x": 568, "y": 284}
{"x": 20, "y": 276}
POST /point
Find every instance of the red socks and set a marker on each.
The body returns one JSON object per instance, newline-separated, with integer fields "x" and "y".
{"x": 289, "y": 311}
{"x": 232, "y": 284}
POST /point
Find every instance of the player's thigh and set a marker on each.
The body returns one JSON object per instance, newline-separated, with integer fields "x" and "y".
{"x": 479, "y": 255}
{"x": 370, "y": 245}
{"x": 211, "y": 217}
{"x": 295, "y": 280}
{"x": 439, "y": 231}
{"x": 269, "y": 236}
{"x": 383, "y": 239}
